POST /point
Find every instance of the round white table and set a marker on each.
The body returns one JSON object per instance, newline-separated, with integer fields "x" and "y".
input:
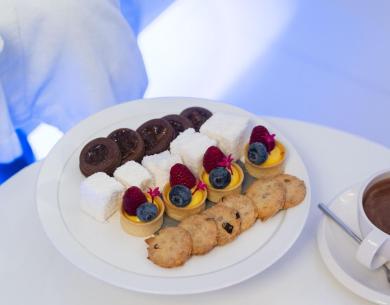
{"x": 33, "y": 272}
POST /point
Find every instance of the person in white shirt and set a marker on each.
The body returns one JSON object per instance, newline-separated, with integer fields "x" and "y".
{"x": 62, "y": 60}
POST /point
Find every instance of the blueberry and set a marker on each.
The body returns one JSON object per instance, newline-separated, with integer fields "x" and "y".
{"x": 180, "y": 195}
{"x": 147, "y": 211}
{"x": 257, "y": 153}
{"x": 219, "y": 177}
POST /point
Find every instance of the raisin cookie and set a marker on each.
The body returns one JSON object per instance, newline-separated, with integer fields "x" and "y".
{"x": 269, "y": 196}
{"x": 295, "y": 190}
{"x": 245, "y": 206}
{"x": 203, "y": 231}
{"x": 228, "y": 222}
{"x": 171, "y": 247}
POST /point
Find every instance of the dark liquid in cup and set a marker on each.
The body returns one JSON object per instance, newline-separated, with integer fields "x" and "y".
{"x": 376, "y": 204}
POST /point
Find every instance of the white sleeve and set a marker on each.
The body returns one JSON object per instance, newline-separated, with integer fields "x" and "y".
{"x": 78, "y": 57}
{"x": 9, "y": 143}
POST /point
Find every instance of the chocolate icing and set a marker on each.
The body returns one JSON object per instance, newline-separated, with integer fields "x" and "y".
{"x": 130, "y": 144}
{"x": 99, "y": 155}
{"x": 157, "y": 135}
{"x": 197, "y": 115}
{"x": 179, "y": 123}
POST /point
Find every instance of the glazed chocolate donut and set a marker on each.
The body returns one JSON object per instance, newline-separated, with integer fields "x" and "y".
{"x": 197, "y": 115}
{"x": 100, "y": 155}
{"x": 157, "y": 135}
{"x": 130, "y": 144}
{"x": 178, "y": 122}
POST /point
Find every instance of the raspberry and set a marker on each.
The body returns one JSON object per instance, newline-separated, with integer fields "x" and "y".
{"x": 180, "y": 174}
{"x": 212, "y": 157}
{"x": 268, "y": 141}
{"x": 132, "y": 199}
{"x": 262, "y": 135}
{"x": 258, "y": 132}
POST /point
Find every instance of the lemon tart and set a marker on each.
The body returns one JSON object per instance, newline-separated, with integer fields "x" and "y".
{"x": 221, "y": 175}
{"x": 234, "y": 186}
{"x": 135, "y": 224}
{"x": 265, "y": 157}
{"x": 273, "y": 166}
{"x": 195, "y": 206}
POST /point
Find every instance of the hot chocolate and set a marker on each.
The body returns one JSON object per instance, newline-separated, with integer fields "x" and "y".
{"x": 376, "y": 204}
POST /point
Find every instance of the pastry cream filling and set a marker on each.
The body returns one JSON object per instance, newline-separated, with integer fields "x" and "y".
{"x": 275, "y": 156}
{"x": 235, "y": 178}
{"x": 197, "y": 198}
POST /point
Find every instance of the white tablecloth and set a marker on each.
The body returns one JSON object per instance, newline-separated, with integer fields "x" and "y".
{"x": 33, "y": 272}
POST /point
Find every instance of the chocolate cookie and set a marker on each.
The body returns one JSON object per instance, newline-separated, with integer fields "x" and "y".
{"x": 245, "y": 206}
{"x": 171, "y": 247}
{"x": 130, "y": 144}
{"x": 157, "y": 135}
{"x": 228, "y": 222}
{"x": 204, "y": 233}
{"x": 269, "y": 196}
{"x": 197, "y": 115}
{"x": 100, "y": 155}
{"x": 295, "y": 190}
{"x": 178, "y": 122}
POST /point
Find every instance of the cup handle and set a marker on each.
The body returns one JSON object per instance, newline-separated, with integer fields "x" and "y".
{"x": 368, "y": 250}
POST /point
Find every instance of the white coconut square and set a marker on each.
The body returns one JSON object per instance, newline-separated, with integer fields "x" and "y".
{"x": 100, "y": 196}
{"x": 159, "y": 165}
{"x": 134, "y": 174}
{"x": 181, "y": 139}
{"x": 193, "y": 149}
{"x": 230, "y": 131}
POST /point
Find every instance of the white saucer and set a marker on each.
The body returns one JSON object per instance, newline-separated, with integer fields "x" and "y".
{"x": 338, "y": 251}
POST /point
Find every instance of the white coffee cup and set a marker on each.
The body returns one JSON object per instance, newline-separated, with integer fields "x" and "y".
{"x": 374, "y": 251}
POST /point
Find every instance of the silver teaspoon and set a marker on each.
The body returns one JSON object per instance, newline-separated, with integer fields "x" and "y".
{"x": 348, "y": 230}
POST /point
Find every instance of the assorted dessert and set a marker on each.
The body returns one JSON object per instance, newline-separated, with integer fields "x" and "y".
{"x": 197, "y": 116}
{"x": 183, "y": 195}
{"x": 130, "y": 144}
{"x": 100, "y": 155}
{"x": 156, "y": 134}
{"x": 264, "y": 155}
{"x": 141, "y": 214}
{"x": 221, "y": 174}
{"x": 171, "y": 165}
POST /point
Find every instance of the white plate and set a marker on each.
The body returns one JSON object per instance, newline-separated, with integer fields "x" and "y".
{"x": 106, "y": 252}
{"x": 338, "y": 251}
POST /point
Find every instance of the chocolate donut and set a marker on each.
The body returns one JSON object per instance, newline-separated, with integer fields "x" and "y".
{"x": 157, "y": 135}
{"x": 100, "y": 155}
{"x": 197, "y": 115}
{"x": 178, "y": 122}
{"x": 130, "y": 144}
